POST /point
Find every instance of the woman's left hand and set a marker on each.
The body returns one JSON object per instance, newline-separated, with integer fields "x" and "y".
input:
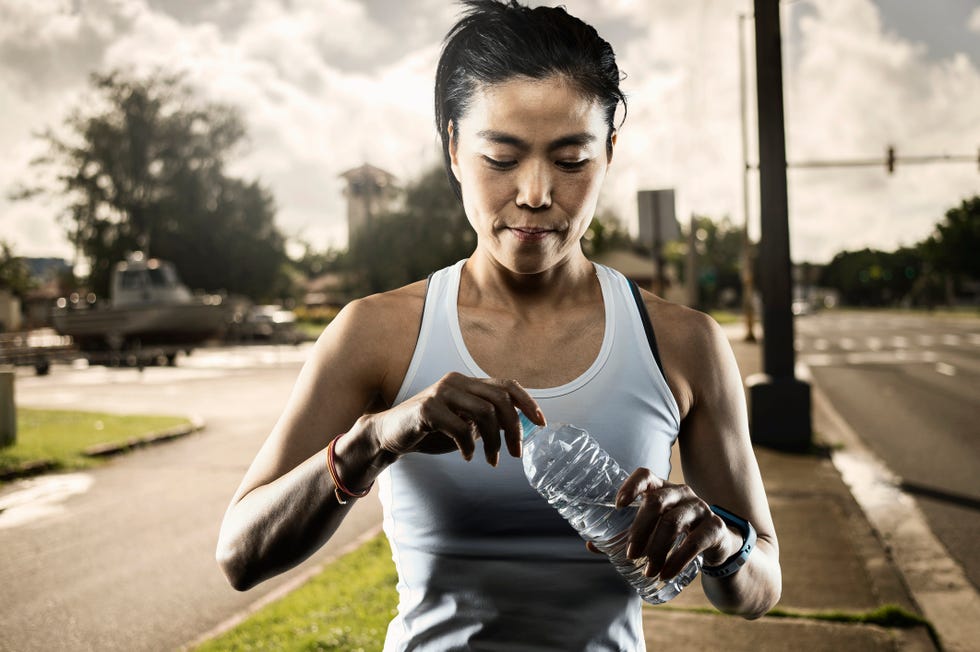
{"x": 668, "y": 511}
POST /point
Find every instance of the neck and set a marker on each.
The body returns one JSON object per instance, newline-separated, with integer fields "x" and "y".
{"x": 484, "y": 281}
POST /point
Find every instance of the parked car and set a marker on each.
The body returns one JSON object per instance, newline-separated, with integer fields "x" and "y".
{"x": 271, "y": 323}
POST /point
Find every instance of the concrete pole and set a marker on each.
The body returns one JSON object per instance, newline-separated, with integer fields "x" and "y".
{"x": 779, "y": 403}
{"x": 748, "y": 282}
{"x": 8, "y": 412}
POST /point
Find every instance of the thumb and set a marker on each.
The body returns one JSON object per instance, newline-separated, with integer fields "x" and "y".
{"x": 591, "y": 548}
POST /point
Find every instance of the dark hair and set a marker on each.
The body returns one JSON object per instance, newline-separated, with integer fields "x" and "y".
{"x": 495, "y": 41}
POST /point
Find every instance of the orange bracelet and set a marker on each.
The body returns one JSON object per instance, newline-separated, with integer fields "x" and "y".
{"x": 339, "y": 487}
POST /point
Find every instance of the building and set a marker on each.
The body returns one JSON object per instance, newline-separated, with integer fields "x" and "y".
{"x": 370, "y": 192}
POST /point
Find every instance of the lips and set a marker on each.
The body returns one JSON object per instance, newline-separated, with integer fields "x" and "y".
{"x": 529, "y": 233}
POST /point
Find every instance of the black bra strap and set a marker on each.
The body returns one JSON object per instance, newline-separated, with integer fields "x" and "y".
{"x": 647, "y": 326}
{"x": 425, "y": 300}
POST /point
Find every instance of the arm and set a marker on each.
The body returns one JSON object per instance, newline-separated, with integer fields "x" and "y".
{"x": 719, "y": 468}
{"x": 285, "y": 508}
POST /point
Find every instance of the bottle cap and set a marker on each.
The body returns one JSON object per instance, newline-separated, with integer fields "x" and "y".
{"x": 527, "y": 425}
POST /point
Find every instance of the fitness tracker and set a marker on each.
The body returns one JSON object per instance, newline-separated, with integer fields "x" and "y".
{"x": 731, "y": 565}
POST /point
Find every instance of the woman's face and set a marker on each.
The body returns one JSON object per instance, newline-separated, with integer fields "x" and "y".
{"x": 530, "y": 156}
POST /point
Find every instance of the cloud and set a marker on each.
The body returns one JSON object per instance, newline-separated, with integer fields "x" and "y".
{"x": 326, "y": 86}
{"x": 973, "y": 23}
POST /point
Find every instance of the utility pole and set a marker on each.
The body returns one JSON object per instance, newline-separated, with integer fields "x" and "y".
{"x": 779, "y": 403}
{"x": 748, "y": 281}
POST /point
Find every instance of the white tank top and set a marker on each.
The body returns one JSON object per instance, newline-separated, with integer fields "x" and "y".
{"x": 484, "y": 563}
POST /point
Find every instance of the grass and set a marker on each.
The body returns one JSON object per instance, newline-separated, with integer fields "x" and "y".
{"x": 310, "y": 329}
{"x": 346, "y": 608}
{"x": 62, "y": 435}
{"x": 889, "y": 616}
{"x": 725, "y": 316}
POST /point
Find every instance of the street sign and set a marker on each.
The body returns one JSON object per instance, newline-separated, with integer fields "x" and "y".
{"x": 658, "y": 223}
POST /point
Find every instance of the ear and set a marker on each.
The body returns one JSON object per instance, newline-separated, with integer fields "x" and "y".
{"x": 453, "y": 151}
{"x": 612, "y": 146}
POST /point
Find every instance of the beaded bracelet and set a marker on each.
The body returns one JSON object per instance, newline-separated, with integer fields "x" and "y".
{"x": 339, "y": 489}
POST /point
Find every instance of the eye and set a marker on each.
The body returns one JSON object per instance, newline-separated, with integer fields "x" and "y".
{"x": 499, "y": 165}
{"x": 571, "y": 166}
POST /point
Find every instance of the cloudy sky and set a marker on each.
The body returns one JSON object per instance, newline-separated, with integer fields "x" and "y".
{"x": 325, "y": 85}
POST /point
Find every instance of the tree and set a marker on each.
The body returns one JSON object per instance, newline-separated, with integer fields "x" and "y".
{"x": 606, "y": 232}
{"x": 870, "y": 277}
{"x": 406, "y": 245}
{"x": 718, "y": 255}
{"x": 14, "y": 274}
{"x": 145, "y": 170}
{"x": 953, "y": 248}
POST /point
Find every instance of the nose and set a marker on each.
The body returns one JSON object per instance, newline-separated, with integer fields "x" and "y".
{"x": 534, "y": 186}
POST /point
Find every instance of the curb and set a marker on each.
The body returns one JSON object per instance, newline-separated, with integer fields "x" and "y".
{"x": 37, "y": 467}
{"x": 280, "y": 592}
{"x": 936, "y": 582}
{"x": 27, "y": 469}
{"x": 115, "y": 448}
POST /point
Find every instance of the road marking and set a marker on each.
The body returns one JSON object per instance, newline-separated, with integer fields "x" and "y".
{"x": 901, "y": 356}
{"x": 926, "y": 340}
{"x": 874, "y": 343}
{"x": 975, "y": 339}
{"x": 945, "y": 369}
{"x": 846, "y": 343}
{"x": 899, "y": 342}
{"x": 951, "y": 340}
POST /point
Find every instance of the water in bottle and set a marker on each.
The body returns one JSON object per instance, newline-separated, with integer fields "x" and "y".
{"x": 576, "y": 476}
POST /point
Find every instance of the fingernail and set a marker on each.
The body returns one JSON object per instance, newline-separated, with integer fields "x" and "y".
{"x": 496, "y": 459}
{"x": 540, "y": 416}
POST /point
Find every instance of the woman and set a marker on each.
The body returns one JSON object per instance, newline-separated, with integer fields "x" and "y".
{"x": 409, "y": 386}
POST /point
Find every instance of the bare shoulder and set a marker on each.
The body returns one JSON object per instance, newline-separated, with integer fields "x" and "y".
{"x": 377, "y": 334}
{"x": 692, "y": 346}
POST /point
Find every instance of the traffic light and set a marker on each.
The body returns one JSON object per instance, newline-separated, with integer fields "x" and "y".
{"x": 890, "y": 162}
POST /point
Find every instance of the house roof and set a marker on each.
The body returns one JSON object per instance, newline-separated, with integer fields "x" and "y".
{"x": 369, "y": 172}
{"x": 631, "y": 264}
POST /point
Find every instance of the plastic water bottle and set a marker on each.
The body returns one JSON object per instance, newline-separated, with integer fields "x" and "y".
{"x": 577, "y": 477}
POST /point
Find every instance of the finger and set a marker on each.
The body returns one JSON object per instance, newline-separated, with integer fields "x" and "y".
{"x": 671, "y": 525}
{"x": 505, "y": 396}
{"x": 525, "y": 402}
{"x": 704, "y": 535}
{"x": 640, "y": 480}
{"x": 481, "y": 412}
{"x": 444, "y": 420}
{"x": 592, "y": 548}
{"x": 502, "y": 418}
{"x": 655, "y": 504}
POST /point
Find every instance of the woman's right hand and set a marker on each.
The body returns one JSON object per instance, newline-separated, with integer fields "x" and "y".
{"x": 453, "y": 413}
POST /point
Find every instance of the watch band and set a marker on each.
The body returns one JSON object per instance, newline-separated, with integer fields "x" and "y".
{"x": 731, "y": 565}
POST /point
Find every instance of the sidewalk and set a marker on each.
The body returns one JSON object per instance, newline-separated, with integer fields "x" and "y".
{"x": 832, "y": 563}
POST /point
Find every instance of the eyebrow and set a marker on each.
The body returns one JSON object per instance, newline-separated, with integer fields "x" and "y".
{"x": 502, "y": 138}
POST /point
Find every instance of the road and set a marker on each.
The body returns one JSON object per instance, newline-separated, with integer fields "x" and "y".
{"x": 122, "y": 557}
{"x": 908, "y": 386}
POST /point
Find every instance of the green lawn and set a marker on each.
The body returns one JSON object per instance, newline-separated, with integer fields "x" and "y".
{"x": 346, "y": 608}
{"x": 62, "y": 435}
